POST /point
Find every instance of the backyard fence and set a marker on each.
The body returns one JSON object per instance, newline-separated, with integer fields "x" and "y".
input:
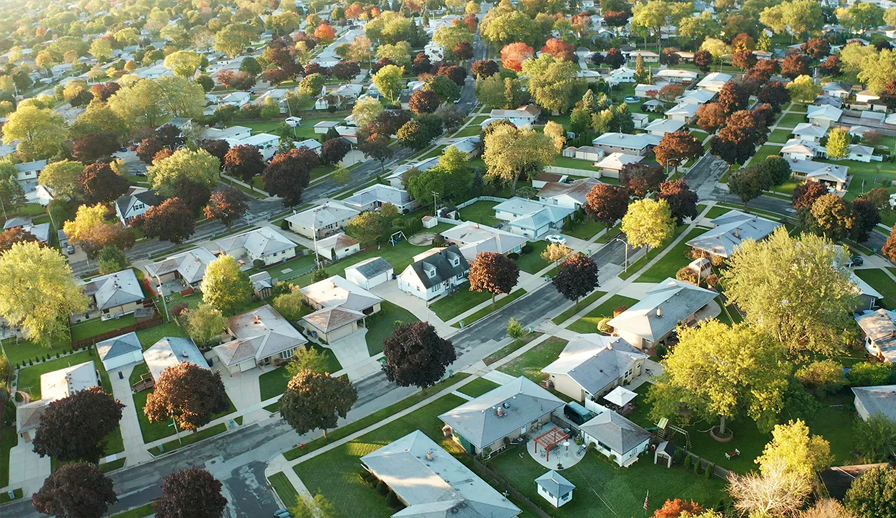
{"x": 573, "y": 172}
{"x": 139, "y": 326}
{"x": 482, "y": 469}
{"x": 471, "y": 201}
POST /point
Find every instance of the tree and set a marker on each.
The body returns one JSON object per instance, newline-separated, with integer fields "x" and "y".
{"x": 832, "y": 216}
{"x": 870, "y": 495}
{"x": 227, "y": 204}
{"x": 346, "y": 70}
{"x": 76, "y": 427}
{"x": 511, "y": 152}
{"x": 744, "y": 59}
{"x": 225, "y": 286}
{"x": 555, "y": 251}
{"x": 678, "y": 147}
{"x": 866, "y": 216}
{"x": 803, "y": 89}
{"x": 641, "y": 179}
{"x": 37, "y": 291}
{"x": 875, "y": 438}
{"x": 307, "y": 359}
{"x": 111, "y": 260}
{"x": 559, "y": 49}
{"x": 183, "y": 63}
{"x": 557, "y": 134}
{"x": 704, "y": 60}
{"x": 244, "y": 162}
{"x": 711, "y": 116}
{"x": 733, "y": 97}
{"x": 389, "y": 81}
{"x": 172, "y": 220}
{"x": 514, "y": 54}
{"x": 577, "y": 277}
{"x": 817, "y": 48}
{"x": 553, "y": 83}
{"x": 669, "y": 92}
{"x": 368, "y": 228}
{"x": 793, "y": 450}
{"x": 607, "y": 203}
{"x": 648, "y": 222}
{"x": 675, "y": 508}
{"x": 830, "y": 66}
{"x": 721, "y": 371}
{"x": 40, "y": 131}
{"x": 419, "y": 133}
{"x": 198, "y": 166}
{"x": 889, "y": 248}
{"x": 92, "y": 232}
{"x": 796, "y": 17}
{"x": 493, "y": 272}
{"x": 187, "y": 393}
{"x": 100, "y": 184}
{"x": 486, "y": 68}
{"x": 316, "y": 401}
{"x": 233, "y": 38}
{"x": 777, "y": 494}
{"x": 190, "y": 492}
{"x": 774, "y": 93}
{"x": 805, "y": 194}
{"x": 75, "y": 490}
{"x": 15, "y": 235}
{"x": 289, "y": 173}
{"x": 747, "y": 183}
{"x": 416, "y": 355}
{"x": 366, "y": 111}
{"x": 291, "y": 305}
{"x": 838, "y": 143}
{"x": 376, "y": 146}
{"x": 681, "y": 199}
{"x": 424, "y": 101}
{"x": 825, "y": 293}
{"x": 62, "y": 178}
{"x": 91, "y": 148}
{"x": 453, "y": 72}
{"x": 795, "y": 65}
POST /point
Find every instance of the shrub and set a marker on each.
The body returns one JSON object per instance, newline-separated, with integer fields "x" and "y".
{"x": 258, "y": 263}
{"x": 392, "y": 500}
{"x": 688, "y": 461}
{"x": 382, "y": 488}
{"x": 527, "y": 249}
{"x": 620, "y": 310}
{"x": 688, "y": 275}
{"x": 661, "y": 353}
{"x": 710, "y": 469}
{"x": 513, "y": 256}
{"x": 284, "y": 225}
{"x": 676, "y": 457}
{"x": 823, "y": 377}
{"x": 867, "y": 374}
{"x": 604, "y": 326}
{"x": 712, "y": 280}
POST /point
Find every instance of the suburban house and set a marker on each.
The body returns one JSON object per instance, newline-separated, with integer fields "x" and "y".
{"x": 395, "y": 179}
{"x": 697, "y": 97}
{"x": 615, "y": 436}
{"x": 309, "y": 144}
{"x": 188, "y": 267}
{"x": 375, "y": 196}
{"x": 625, "y": 143}
{"x": 431, "y": 482}
{"x": 714, "y": 81}
{"x": 736, "y": 227}
{"x": 613, "y": 163}
{"x": 41, "y": 231}
{"x": 683, "y": 112}
{"x": 258, "y": 338}
{"x": 672, "y": 75}
{"x": 116, "y": 294}
{"x": 434, "y": 272}
{"x": 338, "y": 246}
{"x": 861, "y": 153}
{"x": 866, "y": 96}
{"x": 523, "y": 116}
{"x": 266, "y": 143}
{"x": 263, "y": 244}
{"x": 568, "y": 195}
{"x": 873, "y": 400}
{"x": 621, "y": 75}
{"x": 660, "y": 127}
{"x": 833, "y": 176}
{"x": 170, "y": 352}
{"x": 488, "y": 423}
{"x": 654, "y": 318}
{"x": 867, "y": 297}
{"x": 323, "y": 127}
{"x": 340, "y": 96}
{"x": 879, "y": 328}
{"x": 591, "y": 365}
{"x": 339, "y": 306}
{"x": 823, "y": 116}
{"x": 545, "y": 178}
{"x": 135, "y": 204}
{"x": 231, "y": 133}
{"x": 531, "y": 219}
{"x": 554, "y": 488}
{"x": 646, "y": 55}
{"x": 321, "y": 221}
{"x": 238, "y": 99}
{"x": 806, "y": 131}
{"x": 27, "y": 173}
{"x": 55, "y": 385}
{"x": 471, "y": 238}
{"x": 836, "y": 89}
{"x": 369, "y": 273}
{"x": 275, "y": 96}
{"x": 120, "y": 351}
{"x": 795, "y": 149}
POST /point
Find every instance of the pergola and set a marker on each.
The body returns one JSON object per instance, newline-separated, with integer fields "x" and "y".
{"x": 549, "y": 439}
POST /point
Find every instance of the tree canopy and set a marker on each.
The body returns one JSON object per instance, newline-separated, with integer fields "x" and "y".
{"x": 189, "y": 394}
{"x": 315, "y": 400}
{"x": 416, "y": 355}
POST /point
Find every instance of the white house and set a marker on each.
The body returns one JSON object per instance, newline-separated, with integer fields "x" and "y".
{"x": 258, "y": 338}
{"x": 120, "y": 351}
{"x": 238, "y": 99}
{"x": 339, "y": 305}
{"x": 861, "y": 153}
{"x": 875, "y": 400}
{"x": 322, "y": 127}
{"x": 809, "y": 132}
{"x": 235, "y": 133}
{"x": 866, "y": 96}
{"x": 660, "y": 127}
{"x": 369, "y": 273}
{"x": 714, "y": 81}
{"x": 266, "y": 143}
{"x": 262, "y": 244}
{"x": 836, "y": 89}
{"x": 803, "y": 150}
{"x": 879, "y": 328}
{"x": 338, "y": 246}
{"x": 568, "y": 195}
{"x": 531, "y": 219}
{"x": 648, "y": 56}
{"x": 434, "y": 272}
{"x": 54, "y": 385}
{"x": 625, "y": 143}
{"x": 276, "y": 96}
{"x": 672, "y": 75}
{"x": 523, "y": 116}
{"x": 834, "y": 176}
{"x": 613, "y": 163}
{"x": 698, "y": 97}
{"x": 188, "y": 266}
{"x": 28, "y": 173}
{"x": 472, "y": 238}
{"x": 323, "y": 220}
{"x": 621, "y": 75}
{"x": 683, "y": 112}
{"x": 554, "y": 488}
{"x": 341, "y": 95}
{"x": 727, "y": 237}
{"x": 591, "y": 365}
{"x": 824, "y": 116}
{"x": 615, "y": 436}
{"x": 375, "y": 196}
{"x": 135, "y": 204}
{"x": 310, "y": 144}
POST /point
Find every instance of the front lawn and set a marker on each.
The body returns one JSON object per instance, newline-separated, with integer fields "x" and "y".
{"x": 284, "y": 490}
{"x": 273, "y": 383}
{"x": 381, "y": 325}
{"x": 588, "y": 323}
{"x": 484, "y": 312}
{"x": 584, "y": 303}
{"x": 138, "y": 512}
{"x": 29, "y": 377}
{"x": 188, "y": 438}
{"x": 509, "y": 348}
{"x": 456, "y": 303}
{"x": 535, "y": 359}
{"x": 481, "y": 212}
{"x": 716, "y": 211}
{"x": 478, "y": 387}
{"x": 533, "y": 262}
{"x": 633, "y": 267}
{"x": 790, "y": 120}
{"x": 880, "y": 281}
{"x": 97, "y": 326}
{"x": 154, "y": 431}
{"x": 585, "y": 230}
{"x": 8, "y": 440}
{"x": 779, "y": 136}
{"x": 674, "y": 260}
{"x": 765, "y": 152}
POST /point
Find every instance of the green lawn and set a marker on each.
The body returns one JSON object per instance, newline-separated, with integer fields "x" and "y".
{"x": 29, "y": 377}
{"x": 470, "y": 131}
{"x": 97, "y": 326}
{"x": 535, "y": 359}
{"x": 456, "y": 303}
{"x": 16, "y": 494}
{"x": 300, "y": 263}
{"x": 868, "y": 176}
{"x": 381, "y": 325}
{"x": 573, "y": 163}
{"x": 478, "y": 387}
{"x": 879, "y": 280}
{"x": 716, "y": 211}
{"x": 509, "y": 348}
{"x": 138, "y": 512}
{"x": 779, "y": 136}
{"x": 674, "y": 260}
{"x": 765, "y": 152}
{"x": 797, "y": 107}
{"x": 481, "y": 212}
{"x": 533, "y": 262}
{"x": 284, "y": 489}
{"x": 584, "y": 303}
{"x": 634, "y": 267}
{"x": 8, "y": 439}
{"x": 148, "y": 337}
{"x": 155, "y": 431}
{"x": 585, "y": 230}
{"x": 588, "y": 323}
{"x": 790, "y": 120}
{"x": 25, "y": 350}
{"x": 273, "y": 383}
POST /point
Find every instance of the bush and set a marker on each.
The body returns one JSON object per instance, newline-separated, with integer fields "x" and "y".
{"x": 688, "y": 461}
{"x": 676, "y": 457}
{"x": 527, "y": 249}
{"x": 712, "y": 280}
{"x": 284, "y": 225}
{"x": 382, "y": 488}
{"x": 392, "y": 500}
{"x": 821, "y": 378}
{"x": 688, "y": 275}
{"x": 603, "y": 325}
{"x": 710, "y": 469}
{"x": 258, "y": 263}
{"x": 867, "y": 374}
{"x": 661, "y": 351}
{"x": 513, "y": 256}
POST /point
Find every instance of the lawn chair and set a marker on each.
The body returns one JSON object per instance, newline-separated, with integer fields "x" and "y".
{"x": 732, "y": 454}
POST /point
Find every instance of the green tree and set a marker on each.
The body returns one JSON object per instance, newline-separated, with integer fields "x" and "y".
{"x": 803, "y": 89}
{"x": 291, "y": 304}
{"x": 233, "y": 38}
{"x": 871, "y": 495}
{"x": 832, "y": 216}
{"x": 366, "y": 110}
{"x": 389, "y": 81}
{"x": 794, "y": 450}
{"x": 308, "y": 359}
{"x": 62, "y": 178}
{"x": 399, "y": 53}
{"x": 648, "y": 222}
{"x": 101, "y": 49}
{"x": 878, "y": 69}
{"x": 515, "y": 330}
{"x": 554, "y": 83}
{"x": 111, "y": 260}
{"x": 798, "y": 17}
{"x": 649, "y": 17}
{"x": 368, "y": 228}
{"x": 312, "y": 84}
{"x": 205, "y": 324}
{"x": 316, "y": 401}
{"x": 183, "y": 63}
{"x": 41, "y": 132}
{"x": 225, "y": 286}
{"x": 197, "y": 166}
{"x": 875, "y": 438}
{"x": 511, "y": 152}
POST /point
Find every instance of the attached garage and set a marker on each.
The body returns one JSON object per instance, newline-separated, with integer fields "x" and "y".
{"x": 369, "y": 273}
{"x": 120, "y": 351}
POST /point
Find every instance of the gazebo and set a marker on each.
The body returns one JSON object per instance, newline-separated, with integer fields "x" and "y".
{"x": 620, "y": 396}
{"x": 549, "y": 439}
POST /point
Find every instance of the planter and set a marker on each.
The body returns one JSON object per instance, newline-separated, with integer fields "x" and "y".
{"x": 714, "y": 433}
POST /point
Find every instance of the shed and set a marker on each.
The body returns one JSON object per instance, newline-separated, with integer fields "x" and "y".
{"x": 369, "y": 273}
{"x": 554, "y": 488}
{"x": 120, "y": 351}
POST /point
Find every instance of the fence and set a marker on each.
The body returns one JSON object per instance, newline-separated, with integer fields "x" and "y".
{"x": 573, "y": 172}
{"x": 471, "y": 201}
{"x": 139, "y": 326}
{"x": 481, "y": 468}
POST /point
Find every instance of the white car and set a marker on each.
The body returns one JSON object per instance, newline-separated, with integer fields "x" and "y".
{"x": 556, "y": 238}
{"x": 292, "y": 122}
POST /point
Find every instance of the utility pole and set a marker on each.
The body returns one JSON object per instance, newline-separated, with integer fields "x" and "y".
{"x": 435, "y": 204}
{"x": 314, "y": 236}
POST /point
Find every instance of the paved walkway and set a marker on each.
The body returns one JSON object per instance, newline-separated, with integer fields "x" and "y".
{"x": 134, "y": 451}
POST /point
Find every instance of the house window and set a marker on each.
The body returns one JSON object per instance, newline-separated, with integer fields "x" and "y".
{"x": 287, "y": 354}
{"x": 603, "y": 446}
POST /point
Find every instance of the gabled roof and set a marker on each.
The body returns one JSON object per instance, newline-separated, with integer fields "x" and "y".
{"x": 497, "y": 413}
{"x": 809, "y": 129}
{"x": 370, "y": 268}
{"x": 617, "y": 432}
{"x": 555, "y": 484}
{"x": 323, "y": 215}
{"x": 625, "y": 140}
{"x": 686, "y": 109}
{"x": 531, "y": 213}
{"x": 595, "y": 361}
{"x": 260, "y": 242}
{"x": 674, "y": 73}
{"x": 338, "y": 240}
{"x": 700, "y": 96}
{"x": 118, "y": 346}
{"x": 190, "y": 265}
{"x": 577, "y": 190}
{"x": 148, "y": 197}
{"x": 819, "y": 170}
{"x": 55, "y": 385}
{"x": 824, "y": 112}
{"x": 438, "y": 263}
{"x": 803, "y": 147}
{"x": 616, "y": 161}
{"x": 473, "y": 238}
{"x": 881, "y": 398}
{"x": 666, "y": 304}
{"x": 713, "y": 79}
{"x": 725, "y": 239}
{"x": 115, "y": 289}
{"x": 378, "y": 193}
{"x": 880, "y": 327}
{"x": 336, "y": 291}
{"x": 665, "y": 126}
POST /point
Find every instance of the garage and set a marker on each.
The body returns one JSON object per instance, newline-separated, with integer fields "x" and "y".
{"x": 369, "y": 273}
{"x": 120, "y": 351}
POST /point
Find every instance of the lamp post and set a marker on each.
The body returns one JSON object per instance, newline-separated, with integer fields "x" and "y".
{"x": 314, "y": 236}
{"x": 625, "y": 264}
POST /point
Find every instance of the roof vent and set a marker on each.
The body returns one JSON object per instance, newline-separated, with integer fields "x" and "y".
{"x": 737, "y": 233}
{"x": 507, "y": 404}
{"x": 184, "y": 354}
{"x": 659, "y": 312}
{"x": 256, "y": 319}
{"x": 429, "y": 455}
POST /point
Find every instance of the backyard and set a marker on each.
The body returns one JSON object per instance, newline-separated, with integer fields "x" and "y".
{"x": 18, "y": 351}
{"x": 482, "y": 212}
{"x": 97, "y": 326}
{"x": 29, "y": 377}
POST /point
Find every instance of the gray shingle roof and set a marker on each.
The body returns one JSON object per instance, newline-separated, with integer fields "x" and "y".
{"x": 881, "y": 399}
{"x": 118, "y": 346}
{"x": 676, "y": 301}
{"x": 555, "y": 483}
{"x": 441, "y": 264}
{"x": 372, "y": 267}
{"x": 617, "y": 432}
{"x": 116, "y": 289}
{"x": 595, "y": 361}
{"x": 725, "y": 239}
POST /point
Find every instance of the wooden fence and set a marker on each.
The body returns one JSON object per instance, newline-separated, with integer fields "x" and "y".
{"x": 139, "y": 326}
{"x": 508, "y": 489}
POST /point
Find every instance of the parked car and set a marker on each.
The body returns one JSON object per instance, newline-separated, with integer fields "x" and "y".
{"x": 856, "y": 261}
{"x": 556, "y": 238}
{"x": 292, "y": 122}
{"x": 70, "y": 250}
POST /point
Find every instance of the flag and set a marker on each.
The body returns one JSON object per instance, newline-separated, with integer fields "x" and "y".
{"x": 646, "y": 499}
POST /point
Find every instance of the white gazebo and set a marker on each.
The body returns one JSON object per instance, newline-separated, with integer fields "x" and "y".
{"x": 620, "y": 396}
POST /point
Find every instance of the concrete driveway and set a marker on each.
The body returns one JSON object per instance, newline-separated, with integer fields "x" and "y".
{"x": 351, "y": 352}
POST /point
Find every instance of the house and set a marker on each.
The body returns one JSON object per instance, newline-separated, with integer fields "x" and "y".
{"x": 135, "y": 204}
{"x": 54, "y": 385}
{"x": 621, "y": 75}
{"x": 434, "y": 273}
{"x": 120, "y": 351}
{"x": 258, "y": 338}
{"x": 646, "y": 55}
{"x": 188, "y": 266}
{"x": 338, "y": 246}
{"x": 726, "y": 238}
{"x": 834, "y": 176}
{"x": 591, "y": 365}
{"x": 469, "y": 146}
{"x": 238, "y": 99}
{"x": 395, "y": 179}
{"x": 568, "y": 195}
{"x": 837, "y": 89}
{"x": 322, "y": 127}
{"x": 375, "y": 196}
{"x": 263, "y": 245}
{"x": 824, "y": 116}
{"x": 41, "y": 231}
{"x": 641, "y": 120}
{"x": 653, "y": 106}
{"x": 531, "y": 219}
{"x": 116, "y": 294}
{"x": 488, "y": 423}
{"x": 321, "y": 221}
{"x": 624, "y": 143}
{"x": 274, "y": 96}
{"x": 554, "y": 488}
{"x": 340, "y": 96}
{"x": 589, "y": 153}
{"x": 170, "y": 352}
{"x": 472, "y": 238}
{"x": 27, "y": 173}
{"x": 262, "y": 284}
{"x": 683, "y": 112}
{"x": 523, "y": 116}
{"x": 867, "y": 296}
{"x": 266, "y": 143}
{"x": 698, "y": 97}
{"x": 860, "y": 153}
{"x": 235, "y": 133}
{"x": 369, "y": 273}
{"x": 867, "y": 96}
{"x": 431, "y": 482}
{"x": 653, "y": 319}
{"x": 809, "y": 132}
{"x": 879, "y": 328}
{"x": 642, "y": 90}
{"x": 615, "y": 436}
{"x": 672, "y": 75}
{"x": 876, "y": 400}
{"x": 309, "y": 144}
{"x": 340, "y": 305}
{"x": 796, "y": 149}
{"x": 660, "y": 127}
{"x": 827, "y": 100}
{"x": 714, "y": 81}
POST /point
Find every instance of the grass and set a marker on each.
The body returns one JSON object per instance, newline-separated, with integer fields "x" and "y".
{"x": 148, "y": 337}
{"x": 481, "y": 212}
{"x": 21, "y": 351}
{"x": 509, "y": 348}
{"x": 273, "y": 383}
{"x": 478, "y": 387}
{"x": 17, "y": 493}
{"x": 456, "y": 303}
{"x": 8, "y": 440}
{"x": 588, "y": 323}
{"x": 585, "y": 230}
{"x": 484, "y": 312}
{"x": 29, "y": 377}
{"x": 765, "y": 152}
{"x": 573, "y": 163}
{"x": 360, "y": 424}
{"x": 300, "y": 263}
{"x": 880, "y": 281}
{"x": 584, "y": 303}
{"x": 97, "y": 326}
{"x": 716, "y": 211}
{"x": 790, "y": 120}
{"x": 154, "y": 431}
{"x": 533, "y": 262}
{"x": 381, "y": 325}
{"x": 634, "y": 267}
{"x": 535, "y": 359}
{"x": 189, "y": 438}
{"x": 675, "y": 259}
{"x": 284, "y": 489}
{"x": 112, "y": 466}
{"x": 779, "y": 136}
{"x": 138, "y": 512}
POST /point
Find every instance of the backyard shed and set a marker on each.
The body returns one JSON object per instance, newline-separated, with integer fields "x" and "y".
{"x": 120, "y": 351}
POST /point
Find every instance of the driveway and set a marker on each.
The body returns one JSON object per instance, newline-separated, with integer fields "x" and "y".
{"x": 352, "y": 354}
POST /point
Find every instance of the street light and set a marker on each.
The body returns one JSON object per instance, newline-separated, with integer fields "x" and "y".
{"x": 625, "y": 264}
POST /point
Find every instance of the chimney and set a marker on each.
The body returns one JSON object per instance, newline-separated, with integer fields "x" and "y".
{"x": 737, "y": 232}
{"x": 429, "y": 455}
{"x": 659, "y": 312}
{"x": 256, "y": 319}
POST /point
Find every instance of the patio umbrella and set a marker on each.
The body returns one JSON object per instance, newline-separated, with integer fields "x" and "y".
{"x": 620, "y": 396}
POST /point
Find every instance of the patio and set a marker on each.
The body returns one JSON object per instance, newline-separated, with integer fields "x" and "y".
{"x": 552, "y": 447}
